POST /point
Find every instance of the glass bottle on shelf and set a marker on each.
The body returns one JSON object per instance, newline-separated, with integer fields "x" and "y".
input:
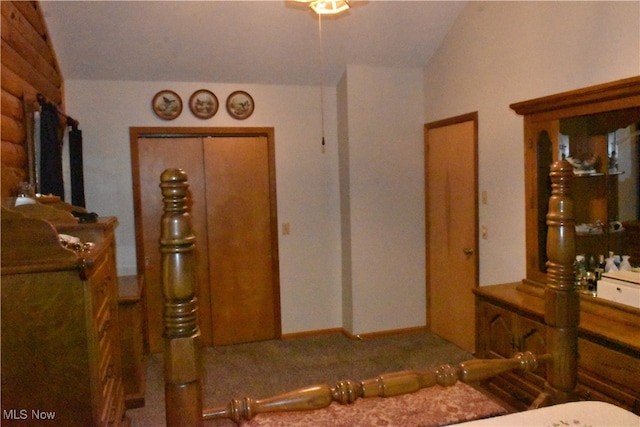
{"x": 625, "y": 264}
{"x": 600, "y": 267}
{"x": 610, "y": 264}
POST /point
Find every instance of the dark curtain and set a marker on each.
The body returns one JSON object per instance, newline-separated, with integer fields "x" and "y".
{"x": 51, "y": 181}
{"x": 76, "y": 167}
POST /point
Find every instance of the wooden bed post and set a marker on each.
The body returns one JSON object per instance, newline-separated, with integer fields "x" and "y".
{"x": 182, "y": 358}
{"x": 562, "y": 301}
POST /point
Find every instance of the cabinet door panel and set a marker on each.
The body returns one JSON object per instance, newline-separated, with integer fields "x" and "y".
{"x": 500, "y": 329}
{"x": 532, "y": 338}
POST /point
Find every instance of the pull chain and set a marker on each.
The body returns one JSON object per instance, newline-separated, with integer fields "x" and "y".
{"x": 321, "y": 78}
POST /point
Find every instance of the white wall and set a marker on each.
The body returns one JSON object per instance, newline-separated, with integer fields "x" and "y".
{"x": 499, "y": 53}
{"x": 307, "y": 178}
{"x": 386, "y": 197}
{"x": 381, "y": 160}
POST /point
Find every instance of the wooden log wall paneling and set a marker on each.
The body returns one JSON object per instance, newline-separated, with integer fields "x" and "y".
{"x": 29, "y": 67}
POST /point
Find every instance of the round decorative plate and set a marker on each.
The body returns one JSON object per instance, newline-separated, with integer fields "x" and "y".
{"x": 203, "y": 104}
{"x": 240, "y": 105}
{"x": 167, "y": 104}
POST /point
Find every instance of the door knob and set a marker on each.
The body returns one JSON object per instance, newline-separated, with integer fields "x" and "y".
{"x": 468, "y": 251}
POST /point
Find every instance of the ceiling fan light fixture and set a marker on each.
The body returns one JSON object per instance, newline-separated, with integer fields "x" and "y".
{"x": 327, "y": 7}
{"x": 324, "y": 7}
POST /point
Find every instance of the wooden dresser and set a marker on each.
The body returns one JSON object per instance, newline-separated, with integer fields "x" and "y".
{"x": 510, "y": 318}
{"x": 60, "y": 341}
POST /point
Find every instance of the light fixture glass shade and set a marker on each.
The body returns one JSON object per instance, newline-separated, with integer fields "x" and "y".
{"x": 327, "y": 7}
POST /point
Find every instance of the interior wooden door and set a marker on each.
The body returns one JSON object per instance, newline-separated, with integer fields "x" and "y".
{"x": 242, "y": 230}
{"x": 452, "y": 230}
{"x": 154, "y": 155}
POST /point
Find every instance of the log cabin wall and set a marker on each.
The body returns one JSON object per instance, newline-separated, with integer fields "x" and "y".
{"x": 29, "y": 67}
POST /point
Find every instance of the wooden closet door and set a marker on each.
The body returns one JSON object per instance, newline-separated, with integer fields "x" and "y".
{"x": 154, "y": 156}
{"x": 241, "y": 232}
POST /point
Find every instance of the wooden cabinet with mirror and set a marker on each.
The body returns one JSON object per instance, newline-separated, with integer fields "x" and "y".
{"x": 597, "y": 129}
{"x": 586, "y": 125}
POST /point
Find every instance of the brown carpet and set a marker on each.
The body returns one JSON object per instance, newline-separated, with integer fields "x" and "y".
{"x": 265, "y": 368}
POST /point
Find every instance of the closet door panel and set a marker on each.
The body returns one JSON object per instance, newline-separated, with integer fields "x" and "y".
{"x": 155, "y": 155}
{"x": 240, "y": 239}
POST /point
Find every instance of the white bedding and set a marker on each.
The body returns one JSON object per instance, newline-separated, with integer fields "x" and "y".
{"x": 574, "y": 414}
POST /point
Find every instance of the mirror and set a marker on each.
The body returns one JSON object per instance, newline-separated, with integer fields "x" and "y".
{"x": 604, "y": 149}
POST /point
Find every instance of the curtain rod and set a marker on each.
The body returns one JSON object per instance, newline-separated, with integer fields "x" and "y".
{"x": 70, "y": 120}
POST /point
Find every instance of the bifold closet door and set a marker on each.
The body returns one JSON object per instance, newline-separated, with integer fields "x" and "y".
{"x": 241, "y": 235}
{"x": 154, "y": 156}
{"x": 233, "y": 212}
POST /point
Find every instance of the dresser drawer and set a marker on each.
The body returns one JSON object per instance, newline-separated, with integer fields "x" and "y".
{"x": 107, "y": 372}
{"x": 107, "y": 407}
{"x": 112, "y": 407}
{"x": 620, "y": 292}
{"x": 617, "y": 370}
{"x": 102, "y": 283}
{"x": 105, "y": 326}
{"x": 117, "y": 408}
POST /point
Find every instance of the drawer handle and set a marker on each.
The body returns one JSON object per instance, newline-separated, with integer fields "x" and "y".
{"x": 618, "y": 289}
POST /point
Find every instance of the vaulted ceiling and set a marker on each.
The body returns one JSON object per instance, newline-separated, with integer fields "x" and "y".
{"x": 262, "y": 42}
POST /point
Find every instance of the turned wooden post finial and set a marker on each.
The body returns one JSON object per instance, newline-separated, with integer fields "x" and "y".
{"x": 562, "y": 301}
{"x": 561, "y": 237}
{"x": 183, "y": 388}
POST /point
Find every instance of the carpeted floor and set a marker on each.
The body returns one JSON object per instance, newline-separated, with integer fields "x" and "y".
{"x": 265, "y": 368}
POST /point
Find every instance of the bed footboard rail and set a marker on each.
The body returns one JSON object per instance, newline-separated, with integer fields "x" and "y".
{"x": 386, "y": 385}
